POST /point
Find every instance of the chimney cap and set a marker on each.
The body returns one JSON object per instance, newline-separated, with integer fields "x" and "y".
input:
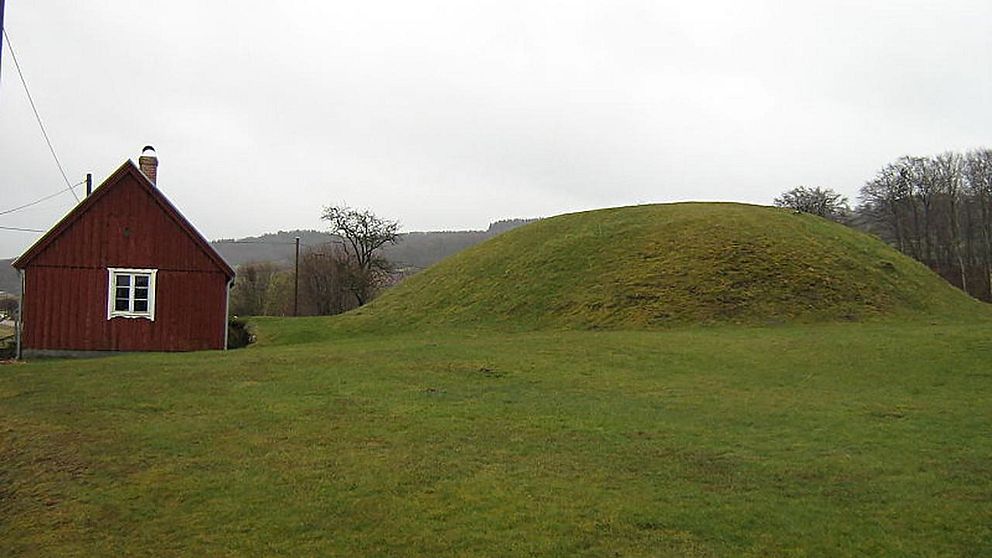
{"x": 146, "y": 149}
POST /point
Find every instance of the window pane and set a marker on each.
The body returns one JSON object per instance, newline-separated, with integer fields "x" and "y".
{"x": 140, "y": 294}
{"x": 120, "y": 305}
{"x": 123, "y": 292}
{"x": 123, "y": 280}
{"x": 140, "y": 305}
{"x": 140, "y": 280}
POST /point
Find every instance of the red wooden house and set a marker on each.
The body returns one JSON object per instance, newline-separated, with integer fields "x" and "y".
{"x": 123, "y": 271}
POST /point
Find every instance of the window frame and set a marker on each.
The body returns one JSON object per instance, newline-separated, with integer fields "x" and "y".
{"x": 112, "y": 274}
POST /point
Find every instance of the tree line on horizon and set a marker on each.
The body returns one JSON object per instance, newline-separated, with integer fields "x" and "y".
{"x": 935, "y": 209}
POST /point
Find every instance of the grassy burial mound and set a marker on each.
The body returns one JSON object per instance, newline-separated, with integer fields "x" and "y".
{"x": 653, "y": 265}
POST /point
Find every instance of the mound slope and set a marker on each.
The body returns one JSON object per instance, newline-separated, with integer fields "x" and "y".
{"x": 655, "y": 265}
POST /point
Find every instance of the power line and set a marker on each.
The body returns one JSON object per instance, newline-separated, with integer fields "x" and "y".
{"x": 272, "y": 243}
{"x": 253, "y": 242}
{"x": 37, "y": 116}
{"x": 21, "y": 229}
{"x": 36, "y": 202}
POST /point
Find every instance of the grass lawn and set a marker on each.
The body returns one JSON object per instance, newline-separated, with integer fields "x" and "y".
{"x": 823, "y": 440}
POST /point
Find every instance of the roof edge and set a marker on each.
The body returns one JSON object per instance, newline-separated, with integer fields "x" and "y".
{"x": 126, "y": 168}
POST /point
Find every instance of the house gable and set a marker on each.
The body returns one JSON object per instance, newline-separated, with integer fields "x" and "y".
{"x": 126, "y": 222}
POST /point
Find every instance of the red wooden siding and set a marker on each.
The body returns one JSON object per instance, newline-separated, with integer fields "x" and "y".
{"x": 130, "y": 225}
{"x": 66, "y": 309}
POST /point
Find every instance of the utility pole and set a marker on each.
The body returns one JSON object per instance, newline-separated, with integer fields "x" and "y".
{"x": 1, "y": 27}
{"x": 296, "y": 286}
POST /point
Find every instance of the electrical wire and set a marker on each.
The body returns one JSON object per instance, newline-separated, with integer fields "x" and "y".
{"x": 253, "y": 242}
{"x": 36, "y": 202}
{"x": 37, "y": 116}
{"x": 272, "y": 243}
{"x": 21, "y": 229}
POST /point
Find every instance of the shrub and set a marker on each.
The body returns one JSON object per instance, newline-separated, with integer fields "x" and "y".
{"x": 239, "y": 333}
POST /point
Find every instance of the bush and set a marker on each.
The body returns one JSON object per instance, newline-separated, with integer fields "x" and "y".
{"x": 239, "y": 333}
{"x": 8, "y": 347}
{"x": 817, "y": 201}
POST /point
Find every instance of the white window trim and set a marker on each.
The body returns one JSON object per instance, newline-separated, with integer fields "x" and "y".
{"x": 112, "y": 293}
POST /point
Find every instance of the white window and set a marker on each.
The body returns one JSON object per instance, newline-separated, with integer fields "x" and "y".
{"x": 132, "y": 293}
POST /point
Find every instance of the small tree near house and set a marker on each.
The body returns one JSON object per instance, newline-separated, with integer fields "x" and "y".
{"x": 363, "y": 233}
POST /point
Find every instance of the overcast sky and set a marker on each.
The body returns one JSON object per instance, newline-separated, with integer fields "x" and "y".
{"x": 452, "y": 114}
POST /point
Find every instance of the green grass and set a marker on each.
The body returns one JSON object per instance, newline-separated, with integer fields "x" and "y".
{"x": 654, "y": 266}
{"x": 678, "y": 380}
{"x": 819, "y": 439}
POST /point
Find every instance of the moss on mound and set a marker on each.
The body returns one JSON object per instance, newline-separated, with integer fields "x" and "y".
{"x": 654, "y": 265}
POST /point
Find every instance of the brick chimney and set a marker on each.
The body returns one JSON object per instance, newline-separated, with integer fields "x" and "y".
{"x": 148, "y": 163}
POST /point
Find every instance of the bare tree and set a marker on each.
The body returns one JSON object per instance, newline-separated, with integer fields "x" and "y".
{"x": 947, "y": 178}
{"x": 978, "y": 187}
{"x": 364, "y": 234}
{"x": 362, "y": 231}
{"x": 938, "y": 210}
{"x": 817, "y": 201}
{"x": 880, "y": 201}
{"x": 328, "y": 281}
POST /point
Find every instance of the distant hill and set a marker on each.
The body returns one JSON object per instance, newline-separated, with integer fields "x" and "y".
{"x": 653, "y": 266}
{"x": 413, "y": 251}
